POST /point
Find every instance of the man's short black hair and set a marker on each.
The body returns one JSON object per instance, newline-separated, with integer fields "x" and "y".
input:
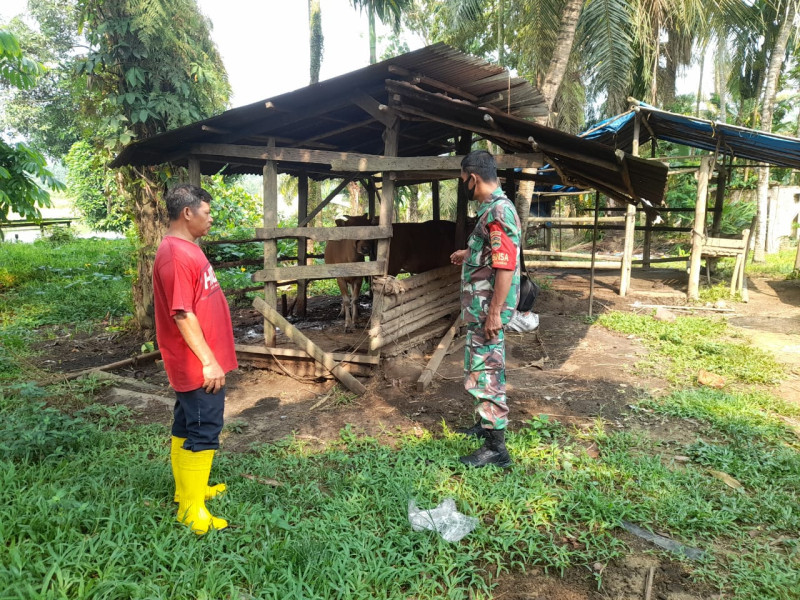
{"x": 183, "y": 195}
{"x": 481, "y": 163}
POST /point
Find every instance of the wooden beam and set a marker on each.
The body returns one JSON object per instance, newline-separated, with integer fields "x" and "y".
{"x": 344, "y": 129}
{"x": 322, "y": 357}
{"x": 322, "y": 234}
{"x": 283, "y": 154}
{"x": 379, "y": 112}
{"x": 361, "y": 359}
{"x": 420, "y": 78}
{"x": 431, "y": 163}
{"x": 331, "y": 271}
{"x": 427, "y": 374}
{"x": 308, "y": 218}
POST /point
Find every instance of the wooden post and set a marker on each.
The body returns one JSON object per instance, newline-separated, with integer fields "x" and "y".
{"x": 594, "y": 250}
{"x": 371, "y": 198}
{"x": 390, "y": 143}
{"x": 797, "y": 259}
{"x": 435, "y": 199}
{"x": 722, "y": 182}
{"x": 194, "y": 171}
{"x": 698, "y": 233}
{"x": 302, "y": 244}
{"x": 648, "y": 236}
{"x": 463, "y": 146}
{"x": 630, "y": 220}
{"x": 627, "y": 250}
{"x": 270, "y": 181}
{"x": 322, "y": 357}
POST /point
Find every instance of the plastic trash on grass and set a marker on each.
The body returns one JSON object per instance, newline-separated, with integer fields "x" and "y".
{"x": 444, "y": 519}
{"x": 523, "y": 321}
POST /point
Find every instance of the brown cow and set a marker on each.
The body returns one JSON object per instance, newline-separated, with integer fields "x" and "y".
{"x": 418, "y": 247}
{"x": 347, "y": 251}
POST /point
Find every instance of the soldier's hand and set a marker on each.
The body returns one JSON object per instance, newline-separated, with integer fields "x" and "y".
{"x": 492, "y": 326}
{"x": 458, "y": 257}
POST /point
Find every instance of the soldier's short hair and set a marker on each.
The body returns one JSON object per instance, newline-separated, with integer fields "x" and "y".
{"x": 482, "y": 164}
{"x": 183, "y": 195}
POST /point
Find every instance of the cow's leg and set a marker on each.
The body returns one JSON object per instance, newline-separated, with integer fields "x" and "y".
{"x": 343, "y": 292}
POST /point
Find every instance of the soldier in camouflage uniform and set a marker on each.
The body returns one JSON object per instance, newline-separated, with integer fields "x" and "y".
{"x": 489, "y": 293}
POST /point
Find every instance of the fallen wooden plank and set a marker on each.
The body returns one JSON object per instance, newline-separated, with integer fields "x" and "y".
{"x": 324, "y": 358}
{"x": 441, "y": 350}
{"x": 364, "y": 359}
{"x": 140, "y": 359}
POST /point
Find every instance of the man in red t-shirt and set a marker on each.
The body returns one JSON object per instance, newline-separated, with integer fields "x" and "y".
{"x": 195, "y": 336}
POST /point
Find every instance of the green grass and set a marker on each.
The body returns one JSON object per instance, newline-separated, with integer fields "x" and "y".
{"x": 688, "y": 344}
{"x": 779, "y": 265}
{"x": 337, "y": 526}
{"x": 85, "y": 491}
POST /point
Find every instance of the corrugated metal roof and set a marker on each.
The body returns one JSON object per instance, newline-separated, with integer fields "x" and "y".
{"x": 438, "y": 93}
{"x": 325, "y": 113}
{"x": 729, "y": 140}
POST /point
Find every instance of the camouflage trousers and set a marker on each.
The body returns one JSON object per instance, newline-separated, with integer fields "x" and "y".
{"x": 485, "y": 375}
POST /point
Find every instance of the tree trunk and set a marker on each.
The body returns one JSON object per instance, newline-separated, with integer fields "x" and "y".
{"x": 413, "y": 204}
{"x": 560, "y": 59}
{"x": 150, "y": 217}
{"x": 373, "y": 55}
{"x": 315, "y": 39}
{"x": 776, "y": 61}
{"x": 549, "y": 89}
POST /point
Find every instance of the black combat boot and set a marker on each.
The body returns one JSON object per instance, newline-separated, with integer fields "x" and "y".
{"x": 476, "y": 430}
{"x": 493, "y": 451}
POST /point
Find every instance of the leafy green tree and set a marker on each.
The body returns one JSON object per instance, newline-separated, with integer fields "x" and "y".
{"x": 47, "y": 115}
{"x": 151, "y": 66}
{"x": 92, "y": 187}
{"x": 20, "y": 166}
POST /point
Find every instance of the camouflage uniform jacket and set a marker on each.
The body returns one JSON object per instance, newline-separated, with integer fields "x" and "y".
{"x": 477, "y": 272}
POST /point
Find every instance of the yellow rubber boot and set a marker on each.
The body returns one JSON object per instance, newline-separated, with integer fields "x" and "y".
{"x": 194, "y": 469}
{"x": 212, "y": 491}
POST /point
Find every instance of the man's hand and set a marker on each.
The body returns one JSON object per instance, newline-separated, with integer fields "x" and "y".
{"x": 459, "y": 256}
{"x": 213, "y": 378}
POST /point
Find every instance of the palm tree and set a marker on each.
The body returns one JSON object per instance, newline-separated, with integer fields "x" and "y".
{"x": 388, "y": 11}
{"x": 785, "y": 26}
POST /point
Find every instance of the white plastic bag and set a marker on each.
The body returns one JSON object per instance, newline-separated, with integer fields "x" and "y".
{"x": 523, "y": 322}
{"x": 444, "y": 519}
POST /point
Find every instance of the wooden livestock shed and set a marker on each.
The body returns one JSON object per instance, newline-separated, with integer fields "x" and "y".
{"x": 728, "y": 147}
{"x": 409, "y": 119}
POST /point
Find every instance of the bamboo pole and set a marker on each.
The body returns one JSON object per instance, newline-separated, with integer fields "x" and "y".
{"x": 394, "y": 300}
{"x": 322, "y": 357}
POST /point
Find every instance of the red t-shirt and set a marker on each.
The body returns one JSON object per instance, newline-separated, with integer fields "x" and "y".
{"x": 183, "y": 280}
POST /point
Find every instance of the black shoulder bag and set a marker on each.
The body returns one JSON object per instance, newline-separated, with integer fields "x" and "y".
{"x": 528, "y": 290}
